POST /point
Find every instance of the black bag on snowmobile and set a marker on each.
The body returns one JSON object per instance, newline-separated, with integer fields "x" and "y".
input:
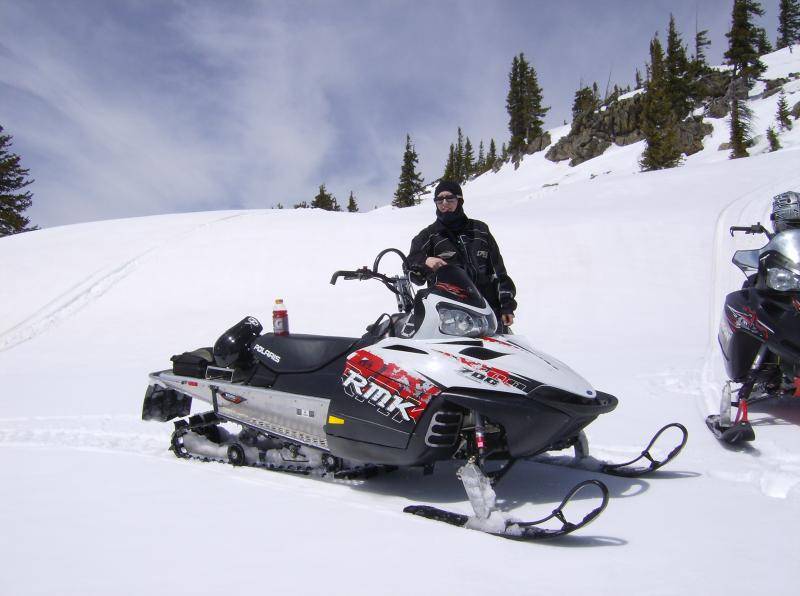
{"x": 192, "y": 364}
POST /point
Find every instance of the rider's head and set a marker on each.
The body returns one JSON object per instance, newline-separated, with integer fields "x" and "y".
{"x": 448, "y": 196}
{"x": 786, "y": 211}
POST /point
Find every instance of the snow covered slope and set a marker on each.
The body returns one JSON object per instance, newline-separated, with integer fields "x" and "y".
{"x": 619, "y": 273}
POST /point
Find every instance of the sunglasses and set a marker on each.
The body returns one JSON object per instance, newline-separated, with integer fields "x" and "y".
{"x": 446, "y": 199}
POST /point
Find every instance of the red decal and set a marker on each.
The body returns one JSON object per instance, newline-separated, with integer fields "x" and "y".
{"x": 452, "y": 289}
{"x": 488, "y": 372}
{"x": 390, "y": 388}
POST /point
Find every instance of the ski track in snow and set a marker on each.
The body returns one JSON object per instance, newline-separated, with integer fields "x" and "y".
{"x": 86, "y": 292}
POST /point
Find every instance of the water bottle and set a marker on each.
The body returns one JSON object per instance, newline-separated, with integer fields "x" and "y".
{"x": 280, "y": 318}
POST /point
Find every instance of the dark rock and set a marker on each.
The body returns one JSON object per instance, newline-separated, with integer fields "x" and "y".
{"x": 717, "y": 108}
{"x": 774, "y": 84}
{"x": 588, "y": 150}
{"x": 714, "y": 84}
{"x": 690, "y": 134}
{"x": 724, "y": 147}
{"x": 538, "y": 143}
{"x": 770, "y": 92}
{"x": 796, "y": 111}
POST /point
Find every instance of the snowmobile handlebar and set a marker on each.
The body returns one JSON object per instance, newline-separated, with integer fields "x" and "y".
{"x": 363, "y": 274}
{"x": 754, "y": 229}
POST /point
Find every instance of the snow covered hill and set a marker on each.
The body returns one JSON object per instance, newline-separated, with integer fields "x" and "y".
{"x": 621, "y": 274}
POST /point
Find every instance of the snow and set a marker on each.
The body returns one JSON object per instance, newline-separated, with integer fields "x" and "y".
{"x": 620, "y": 274}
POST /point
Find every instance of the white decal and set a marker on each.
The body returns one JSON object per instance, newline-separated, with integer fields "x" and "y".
{"x": 363, "y": 390}
{"x": 265, "y": 352}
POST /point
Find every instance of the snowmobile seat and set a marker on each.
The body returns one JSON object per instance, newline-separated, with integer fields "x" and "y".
{"x": 300, "y": 353}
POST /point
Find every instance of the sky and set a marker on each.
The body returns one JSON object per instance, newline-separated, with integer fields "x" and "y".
{"x": 128, "y": 108}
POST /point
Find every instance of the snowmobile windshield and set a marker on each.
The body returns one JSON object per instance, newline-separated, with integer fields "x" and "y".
{"x": 786, "y": 245}
{"x": 452, "y": 282}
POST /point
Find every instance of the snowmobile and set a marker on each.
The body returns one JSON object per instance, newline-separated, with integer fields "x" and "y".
{"x": 759, "y": 333}
{"x": 429, "y": 383}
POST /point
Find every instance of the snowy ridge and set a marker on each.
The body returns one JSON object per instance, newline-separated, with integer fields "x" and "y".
{"x": 620, "y": 274}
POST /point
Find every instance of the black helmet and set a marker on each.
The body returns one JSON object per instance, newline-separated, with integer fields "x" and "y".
{"x": 785, "y": 211}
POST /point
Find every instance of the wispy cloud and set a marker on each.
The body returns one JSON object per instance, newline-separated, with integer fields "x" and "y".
{"x": 130, "y": 108}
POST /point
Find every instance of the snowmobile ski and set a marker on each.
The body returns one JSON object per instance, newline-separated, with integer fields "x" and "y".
{"x": 497, "y": 525}
{"x": 739, "y": 432}
{"x": 628, "y": 469}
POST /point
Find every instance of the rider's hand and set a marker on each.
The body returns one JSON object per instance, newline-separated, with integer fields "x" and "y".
{"x": 508, "y": 319}
{"x": 435, "y": 262}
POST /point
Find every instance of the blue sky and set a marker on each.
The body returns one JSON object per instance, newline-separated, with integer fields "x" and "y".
{"x": 126, "y": 108}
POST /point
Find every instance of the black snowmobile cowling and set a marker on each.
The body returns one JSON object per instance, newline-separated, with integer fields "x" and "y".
{"x": 432, "y": 382}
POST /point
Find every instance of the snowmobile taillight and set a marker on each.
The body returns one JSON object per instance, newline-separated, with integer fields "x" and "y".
{"x": 191, "y": 383}
{"x": 796, "y": 387}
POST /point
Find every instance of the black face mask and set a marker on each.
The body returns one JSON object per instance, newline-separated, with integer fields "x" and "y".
{"x": 452, "y": 220}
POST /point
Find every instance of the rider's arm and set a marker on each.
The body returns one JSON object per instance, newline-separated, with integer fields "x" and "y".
{"x": 505, "y": 286}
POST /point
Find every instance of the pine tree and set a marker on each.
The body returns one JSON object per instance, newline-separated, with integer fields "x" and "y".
{"x": 503, "y": 153}
{"x": 740, "y": 127}
{"x": 524, "y": 105}
{"x": 352, "y": 206}
{"x": 458, "y": 162}
{"x": 659, "y": 124}
{"x": 469, "y": 160}
{"x": 324, "y": 200}
{"x": 583, "y": 103}
{"x": 639, "y": 82}
{"x": 13, "y": 178}
{"x": 677, "y": 72}
{"x": 533, "y": 110}
{"x": 516, "y": 123}
{"x": 762, "y": 43}
{"x": 742, "y": 52}
{"x": 450, "y": 165}
{"x": 410, "y": 183}
{"x": 784, "y": 116}
{"x": 491, "y": 156}
{"x": 788, "y": 23}
{"x": 772, "y": 137}
{"x": 480, "y": 165}
{"x": 700, "y": 42}
{"x": 301, "y": 205}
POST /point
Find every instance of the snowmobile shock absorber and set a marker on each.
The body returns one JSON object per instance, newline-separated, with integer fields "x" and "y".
{"x": 480, "y": 437}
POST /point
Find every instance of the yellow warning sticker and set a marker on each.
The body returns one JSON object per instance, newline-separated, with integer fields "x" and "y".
{"x": 335, "y": 420}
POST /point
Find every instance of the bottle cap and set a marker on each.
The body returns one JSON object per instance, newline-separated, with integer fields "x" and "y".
{"x": 279, "y": 301}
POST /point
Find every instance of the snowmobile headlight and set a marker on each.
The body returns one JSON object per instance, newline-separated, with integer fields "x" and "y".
{"x": 782, "y": 279}
{"x": 465, "y": 323}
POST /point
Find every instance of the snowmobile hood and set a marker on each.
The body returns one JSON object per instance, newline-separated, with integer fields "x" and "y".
{"x": 503, "y": 364}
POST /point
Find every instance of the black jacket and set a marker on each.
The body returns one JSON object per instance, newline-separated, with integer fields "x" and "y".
{"x": 473, "y": 249}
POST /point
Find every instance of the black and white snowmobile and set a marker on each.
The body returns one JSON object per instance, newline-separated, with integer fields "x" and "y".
{"x": 432, "y": 382}
{"x": 759, "y": 333}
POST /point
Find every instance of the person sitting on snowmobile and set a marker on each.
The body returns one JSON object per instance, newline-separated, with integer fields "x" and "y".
{"x": 785, "y": 215}
{"x": 454, "y": 239}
